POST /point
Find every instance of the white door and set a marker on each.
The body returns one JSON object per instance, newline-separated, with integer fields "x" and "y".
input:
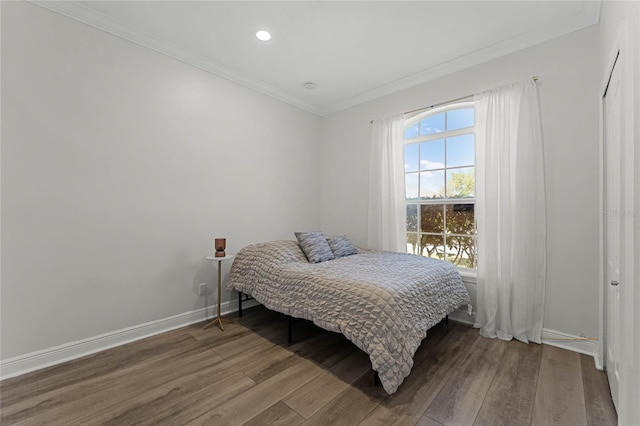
{"x": 614, "y": 212}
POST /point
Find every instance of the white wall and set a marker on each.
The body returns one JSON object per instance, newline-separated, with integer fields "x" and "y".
{"x": 569, "y": 71}
{"x": 119, "y": 167}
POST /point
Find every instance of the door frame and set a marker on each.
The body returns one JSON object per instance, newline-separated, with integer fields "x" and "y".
{"x": 620, "y": 46}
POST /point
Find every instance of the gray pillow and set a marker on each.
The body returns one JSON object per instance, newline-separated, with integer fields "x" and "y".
{"x": 341, "y": 246}
{"x": 315, "y": 246}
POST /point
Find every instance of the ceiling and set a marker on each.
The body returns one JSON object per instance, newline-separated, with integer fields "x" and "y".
{"x": 353, "y": 51}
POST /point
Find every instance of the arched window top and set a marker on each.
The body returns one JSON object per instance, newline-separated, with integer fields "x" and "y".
{"x": 446, "y": 118}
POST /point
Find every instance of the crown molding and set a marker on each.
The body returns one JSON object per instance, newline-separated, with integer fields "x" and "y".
{"x": 590, "y": 15}
{"x": 81, "y": 13}
{"x": 592, "y": 9}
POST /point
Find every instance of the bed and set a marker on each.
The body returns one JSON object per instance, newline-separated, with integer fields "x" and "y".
{"x": 383, "y": 302}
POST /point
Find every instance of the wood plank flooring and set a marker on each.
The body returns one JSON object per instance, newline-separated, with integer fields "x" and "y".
{"x": 249, "y": 375}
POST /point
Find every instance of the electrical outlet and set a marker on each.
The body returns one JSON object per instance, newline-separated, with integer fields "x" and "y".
{"x": 202, "y": 289}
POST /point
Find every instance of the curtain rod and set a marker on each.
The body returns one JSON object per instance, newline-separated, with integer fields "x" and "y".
{"x": 534, "y": 78}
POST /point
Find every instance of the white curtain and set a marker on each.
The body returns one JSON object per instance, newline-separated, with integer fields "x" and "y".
{"x": 510, "y": 213}
{"x": 387, "y": 211}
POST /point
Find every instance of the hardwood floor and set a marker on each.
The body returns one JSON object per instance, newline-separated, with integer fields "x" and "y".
{"x": 249, "y": 375}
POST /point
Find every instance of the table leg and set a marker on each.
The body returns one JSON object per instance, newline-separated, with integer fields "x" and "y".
{"x": 218, "y": 319}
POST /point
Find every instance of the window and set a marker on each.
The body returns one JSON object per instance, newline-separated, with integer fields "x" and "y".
{"x": 439, "y": 165}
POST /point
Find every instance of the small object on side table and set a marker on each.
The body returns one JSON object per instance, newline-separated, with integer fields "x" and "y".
{"x": 219, "y": 259}
{"x": 220, "y": 245}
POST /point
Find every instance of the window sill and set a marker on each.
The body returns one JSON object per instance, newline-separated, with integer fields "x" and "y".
{"x": 468, "y": 275}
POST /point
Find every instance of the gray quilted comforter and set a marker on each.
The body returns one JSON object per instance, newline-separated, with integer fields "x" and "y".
{"x": 383, "y": 302}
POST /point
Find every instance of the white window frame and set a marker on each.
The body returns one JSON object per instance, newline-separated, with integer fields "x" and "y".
{"x": 465, "y": 272}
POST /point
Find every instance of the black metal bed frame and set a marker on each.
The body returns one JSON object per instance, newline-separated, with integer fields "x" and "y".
{"x": 292, "y": 320}
{"x": 240, "y": 300}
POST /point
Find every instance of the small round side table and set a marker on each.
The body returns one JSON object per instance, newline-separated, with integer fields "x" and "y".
{"x": 219, "y": 318}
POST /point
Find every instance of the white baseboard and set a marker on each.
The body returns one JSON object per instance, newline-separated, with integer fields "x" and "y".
{"x": 549, "y": 337}
{"x": 572, "y": 343}
{"x": 463, "y": 317}
{"x": 22, "y": 364}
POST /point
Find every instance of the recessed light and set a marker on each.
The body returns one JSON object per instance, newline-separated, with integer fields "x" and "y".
{"x": 263, "y": 35}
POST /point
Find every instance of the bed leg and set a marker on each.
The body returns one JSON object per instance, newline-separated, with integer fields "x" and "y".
{"x": 240, "y": 304}
{"x": 290, "y": 333}
{"x": 376, "y": 379}
{"x": 446, "y": 319}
